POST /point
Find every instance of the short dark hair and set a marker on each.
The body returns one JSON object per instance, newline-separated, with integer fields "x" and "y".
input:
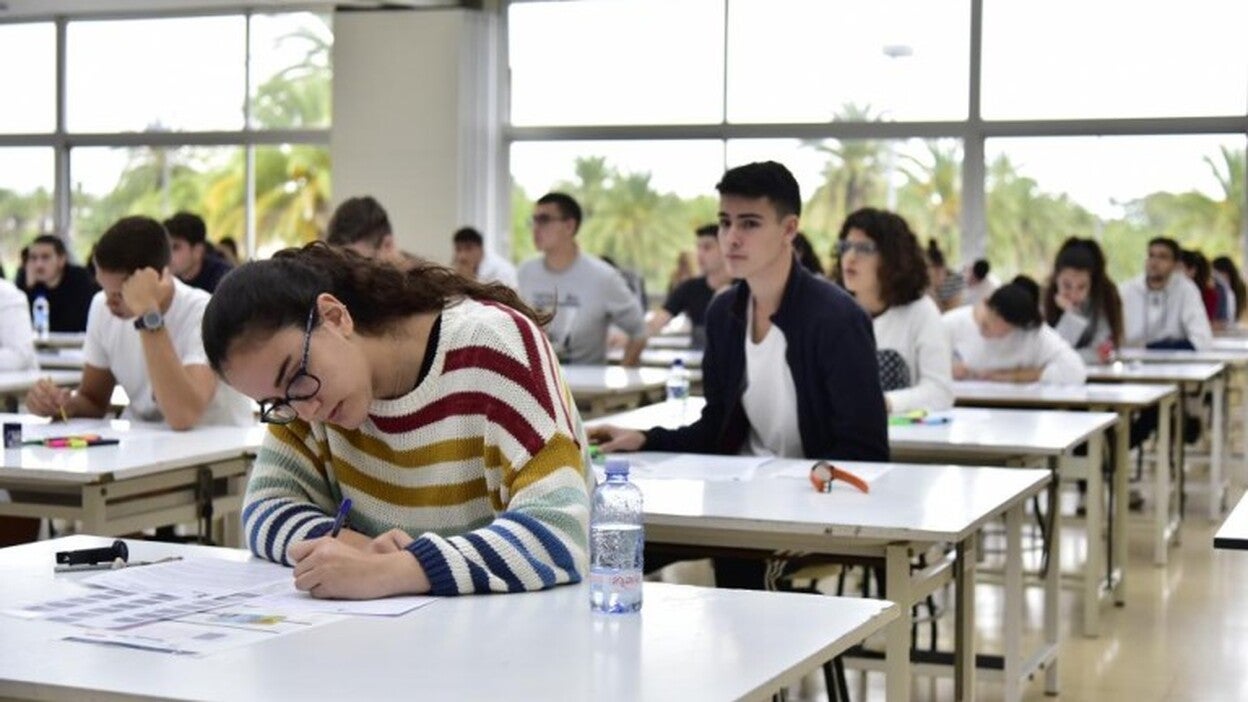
{"x": 227, "y": 242}
{"x": 706, "y": 230}
{"x": 1167, "y": 242}
{"x": 1192, "y": 258}
{"x": 51, "y": 240}
{"x": 132, "y": 243}
{"x": 935, "y": 256}
{"x": 980, "y": 268}
{"x": 468, "y": 235}
{"x": 1018, "y": 303}
{"x": 358, "y": 219}
{"x": 902, "y": 270}
{"x": 764, "y": 179}
{"x": 188, "y": 227}
{"x": 569, "y": 208}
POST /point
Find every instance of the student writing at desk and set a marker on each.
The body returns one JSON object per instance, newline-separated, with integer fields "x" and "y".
{"x": 143, "y": 332}
{"x": 431, "y": 401}
{"x": 1004, "y": 339}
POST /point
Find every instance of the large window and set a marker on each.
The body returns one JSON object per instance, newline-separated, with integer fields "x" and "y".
{"x": 158, "y": 117}
{"x": 889, "y": 59}
{"x": 1192, "y": 191}
{"x": 1069, "y": 59}
{"x": 870, "y": 104}
{"x": 25, "y": 200}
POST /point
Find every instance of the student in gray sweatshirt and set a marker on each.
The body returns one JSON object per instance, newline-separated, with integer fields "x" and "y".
{"x": 1162, "y": 308}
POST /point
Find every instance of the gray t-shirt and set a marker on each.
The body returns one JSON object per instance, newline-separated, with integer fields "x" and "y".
{"x": 587, "y": 297}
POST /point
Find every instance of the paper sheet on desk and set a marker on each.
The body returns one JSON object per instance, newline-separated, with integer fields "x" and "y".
{"x": 801, "y": 470}
{"x": 695, "y": 467}
{"x": 294, "y": 602}
{"x": 207, "y": 632}
{"x": 197, "y": 577}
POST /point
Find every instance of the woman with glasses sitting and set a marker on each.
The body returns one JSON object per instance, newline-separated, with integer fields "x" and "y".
{"x": 881, "y": 264}
{"x": 432, "y": 402}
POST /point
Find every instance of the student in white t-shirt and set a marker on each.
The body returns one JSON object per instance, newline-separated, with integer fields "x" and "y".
{"x": 17, "y": 339}
{"x": 143, "y": 331}
{"x": 1005, "y": 339}
{"x": 881, "y": 263}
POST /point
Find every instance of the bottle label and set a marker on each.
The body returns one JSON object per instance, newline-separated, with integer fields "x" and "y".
{"x": 619, "y": 582}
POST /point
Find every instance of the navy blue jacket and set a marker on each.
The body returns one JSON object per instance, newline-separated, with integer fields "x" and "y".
{"x": 831, "y": 354}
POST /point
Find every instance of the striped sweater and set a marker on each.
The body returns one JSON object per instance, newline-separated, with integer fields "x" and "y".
{"x": 483, "y": 463}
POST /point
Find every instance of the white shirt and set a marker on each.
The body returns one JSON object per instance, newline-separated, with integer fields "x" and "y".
{"x": 976, "y": 292}
{"x": 1031, "y": 348}
{"x": 915, "y": 333}
{"x": 17, "y": 337}
{"x": 494, "y": 269}
{"x": 770, "y": 398}
{"x": 113, "y": 344}
{"x": 1176, "y": 311}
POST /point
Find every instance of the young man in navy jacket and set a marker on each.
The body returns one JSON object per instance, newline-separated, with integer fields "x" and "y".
{"x": 790, "y": 367}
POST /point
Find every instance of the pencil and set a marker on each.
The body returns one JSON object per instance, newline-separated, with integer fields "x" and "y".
{"x": 64, "y": 416}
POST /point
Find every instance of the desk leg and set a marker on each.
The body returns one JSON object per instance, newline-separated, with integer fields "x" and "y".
{"x": 1217, "y": 448}
{"x": 1094, "y": 524}
{"x": 1014, "y": 595}
{"x": 1118, "y": 514}
{"x": 1241, "y": 375}
{"x": 897, "y": 680}
{"x": 1053, "y": 580}
{"x": 1161, "y": 482}
{"x": 93, "y": 510}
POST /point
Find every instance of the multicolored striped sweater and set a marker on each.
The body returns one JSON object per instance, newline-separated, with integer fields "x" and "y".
{"x": 483, "y": 463}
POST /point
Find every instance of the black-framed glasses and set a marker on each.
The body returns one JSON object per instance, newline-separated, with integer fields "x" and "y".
{"x": 303, "y": 386}
{"x": 862, "y": 248}
{"x": 538, "y": 220}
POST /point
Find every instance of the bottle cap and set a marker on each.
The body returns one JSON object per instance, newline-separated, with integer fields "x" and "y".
{"x": 617, "y": 466}
{"x": 678, "y": 362}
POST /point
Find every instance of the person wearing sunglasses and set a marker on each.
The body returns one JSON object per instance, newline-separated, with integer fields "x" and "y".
{"x": 583, "y": 292}
{"x": 143, "y": 333}
{"x": 882, "y": 265}
{"x": 433, "y": 402}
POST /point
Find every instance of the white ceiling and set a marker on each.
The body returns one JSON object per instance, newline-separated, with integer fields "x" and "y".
{"x": 26, "y": 9}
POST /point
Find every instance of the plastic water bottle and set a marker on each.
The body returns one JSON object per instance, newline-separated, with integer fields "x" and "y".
{"x": 41, "y": 317}
{"x": 616, "y": 543}
{"x": 678, "y": 381}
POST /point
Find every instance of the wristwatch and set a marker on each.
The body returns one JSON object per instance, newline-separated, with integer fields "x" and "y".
{"x": 150, "y": 321}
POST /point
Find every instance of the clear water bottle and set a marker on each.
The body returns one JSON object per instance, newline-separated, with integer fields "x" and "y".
{"x": 616, "y": 543}
{"x": 41, "y": 317}
{"x": 678, "y": 381}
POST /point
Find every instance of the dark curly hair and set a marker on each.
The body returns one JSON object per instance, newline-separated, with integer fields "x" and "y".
{"x": 903, "y": 269}
{"x": 259, "y": 298}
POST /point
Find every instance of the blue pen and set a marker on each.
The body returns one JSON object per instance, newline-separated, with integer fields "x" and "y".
{"x": 341, "y": 518}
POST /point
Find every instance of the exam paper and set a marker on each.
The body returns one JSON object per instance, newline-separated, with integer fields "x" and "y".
{"x": 196, "y": 577}
{"x": 208, "y": 632}
{"x": 695, "y": 467}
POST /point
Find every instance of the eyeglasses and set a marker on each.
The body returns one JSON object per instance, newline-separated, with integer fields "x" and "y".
{"x": 303, "y": 386}
{"x": 862, "y": 248}
{"x": 542, "y": 219}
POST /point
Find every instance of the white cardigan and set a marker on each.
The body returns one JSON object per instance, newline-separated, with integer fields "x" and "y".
{"x": 914, "y": 331}
{"x": 1035, "y": 348}
{"x": 17, "y": 338}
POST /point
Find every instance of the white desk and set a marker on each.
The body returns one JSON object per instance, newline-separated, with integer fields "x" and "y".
{"x": 687, "y": 643}
{"x": 670, "y": 342}
{"x": 997, "y": 436}
{"x": 15, "y": 384}
{"x": 62, "y": 340}
{"x": 1233, "y": 534}
{"x": 1122, "y": 399}
{"x": 662, "y": 358}
{"x": 153, "y": 477}
{"x": 910, "y": 508}
{"x": 1204, "y": 378}
{"x": 61, "y": 359}
{"x": 601, "y": 389}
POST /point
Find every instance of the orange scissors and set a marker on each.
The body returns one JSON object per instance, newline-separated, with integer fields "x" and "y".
{"x": 822, "y": 474}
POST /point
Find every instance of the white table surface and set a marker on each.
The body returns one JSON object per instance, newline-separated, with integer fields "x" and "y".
{"x": 15, "y": 382}
{"x": 662, "y": 358}
{"x": 1230, "y": 357}
{"x": 670, "y": 342}
{"x": 911, "y": 502}
{"x": 687, "y": 643}
{"x": 1141, "y": 372}
{"x": 1231, "y": 342}
{"x": 970, "y": 431}
{"x": 62, "y": 340}
{"x": 145, "y": 448}
{"x": 593, "y": 379}
{"x": 61, "y": 358}
{"x": 1037, "y": 395}
{"x": 1233, "y": 534}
